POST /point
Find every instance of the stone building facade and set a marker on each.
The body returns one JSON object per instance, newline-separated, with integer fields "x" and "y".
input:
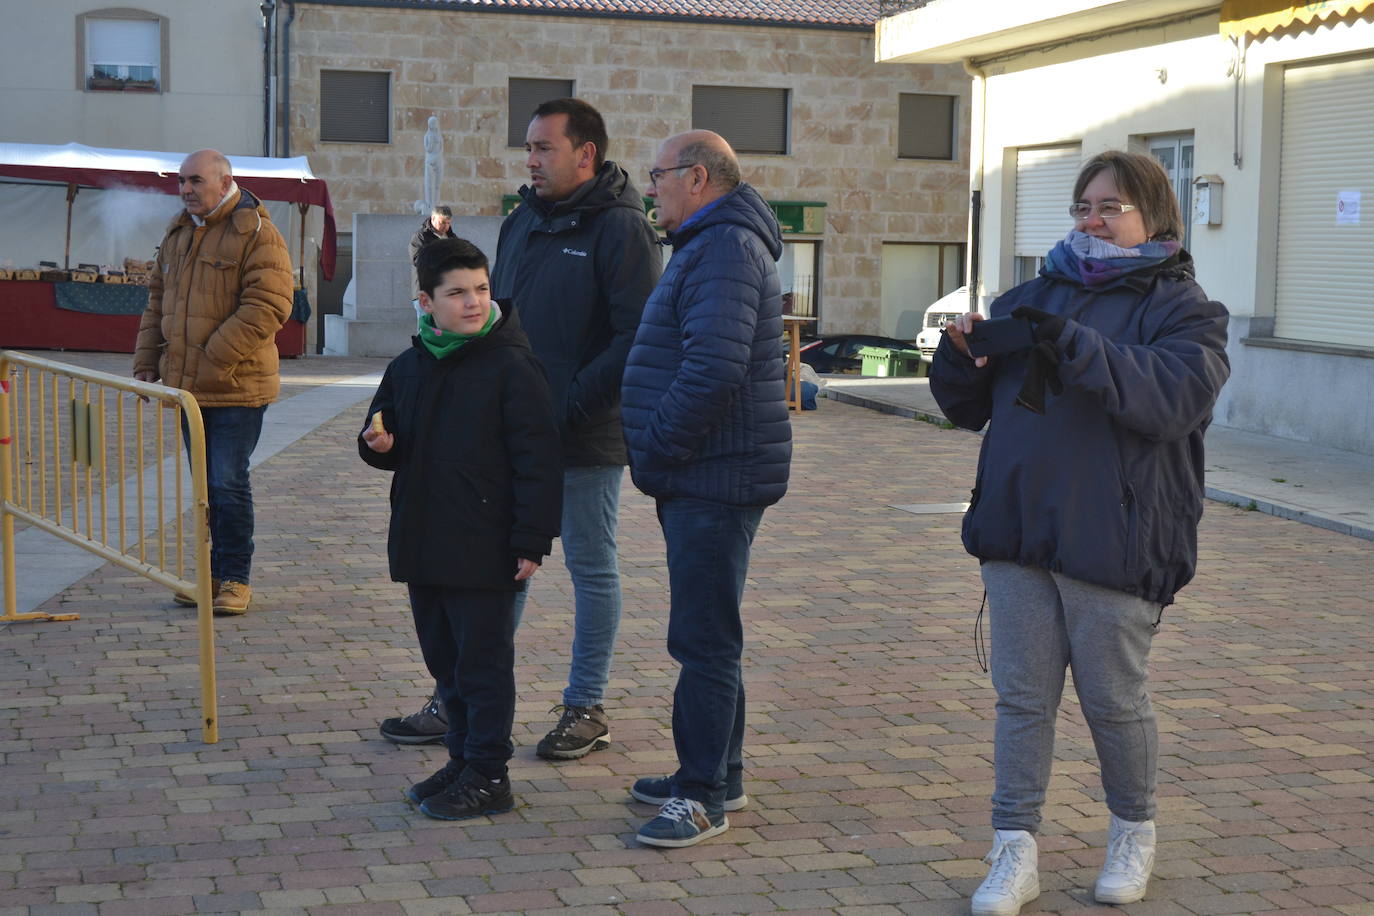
{"x": 842, "y": 149}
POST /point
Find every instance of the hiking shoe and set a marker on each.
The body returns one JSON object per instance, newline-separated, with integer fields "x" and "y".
{"x": 428, "y": 726}
{"x": 1130, "y": 859}
{"x": 186, "y": 600}
{"x": 471, "y": 795}
{"x": 437, "y": 783}
{"x": 1013, "y": 879}
{"x": 660, "y": 791}
{"x": 232, "y": 598}
{"x": 682, "y": 822}
{"x": 581, "y": 730}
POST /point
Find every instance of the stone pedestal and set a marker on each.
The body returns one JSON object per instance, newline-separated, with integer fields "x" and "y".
{"x": 378, "y": 319}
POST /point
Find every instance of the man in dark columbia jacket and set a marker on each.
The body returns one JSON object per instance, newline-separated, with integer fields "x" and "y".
{"x": 576, "y": 260}
{"x": 709, "y": 438}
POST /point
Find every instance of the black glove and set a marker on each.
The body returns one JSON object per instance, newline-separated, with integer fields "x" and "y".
{"x": 1044, "y": 326}
{"x": 1042, "y": 368}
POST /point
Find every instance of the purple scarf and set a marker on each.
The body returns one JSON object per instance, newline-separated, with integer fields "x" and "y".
{"x": 1095, "y": 263}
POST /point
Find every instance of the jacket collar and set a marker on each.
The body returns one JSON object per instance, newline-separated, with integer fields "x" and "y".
{"x": 609, "y": 187}
{"x": 239, "y": 198}
{"x": 743, "y": 207}
{"x": 225, "y": 205}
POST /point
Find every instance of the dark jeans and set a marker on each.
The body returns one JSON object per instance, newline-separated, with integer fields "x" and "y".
{"x": 708, "y": 559}
{"x": 467, "y": 639}
{"x": 231, "y": 434}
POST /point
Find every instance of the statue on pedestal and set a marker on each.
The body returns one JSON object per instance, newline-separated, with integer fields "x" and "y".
{"x": 434, "y": 168}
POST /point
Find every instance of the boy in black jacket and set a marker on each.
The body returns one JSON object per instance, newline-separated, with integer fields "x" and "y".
{"x": 465, "y": 420}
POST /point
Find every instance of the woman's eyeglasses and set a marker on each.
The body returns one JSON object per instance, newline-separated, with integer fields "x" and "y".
{"x": 1110, "y": 209}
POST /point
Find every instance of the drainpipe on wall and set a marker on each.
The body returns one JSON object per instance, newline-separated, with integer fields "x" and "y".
{"x": 977, "y": 138}
{"x": 268, "y": 19}
{"x": 284, "y": 73}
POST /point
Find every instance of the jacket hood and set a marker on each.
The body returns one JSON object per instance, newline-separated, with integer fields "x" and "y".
{"x": 609, "y": 187}
{"x": 742, "y": 207}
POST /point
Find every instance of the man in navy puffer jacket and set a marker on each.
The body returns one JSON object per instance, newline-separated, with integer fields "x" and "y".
{"x": 705, "y": 417}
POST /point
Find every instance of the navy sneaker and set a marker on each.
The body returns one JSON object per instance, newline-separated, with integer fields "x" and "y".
{"x": 682, "y": 822}
{"x": 436, "y": 783}
{"x": 660, "y": 791}
{"x": 472, "y": 795}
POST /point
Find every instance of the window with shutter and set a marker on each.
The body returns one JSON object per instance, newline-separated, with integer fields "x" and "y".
{"x": 1044, "y": 190}
{"x": 525, "y": 96}
{"x": 121, "y": 51}
{"x": 925, "y": 126}
{"x": 355, "y": 106}
{"x": 1325, "y": 264}
{"x": 751, "y": 120}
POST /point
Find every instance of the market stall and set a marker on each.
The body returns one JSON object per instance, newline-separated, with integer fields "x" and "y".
{"x": 78, "y": 224}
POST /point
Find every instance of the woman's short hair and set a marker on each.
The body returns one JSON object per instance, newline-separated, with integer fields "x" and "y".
{"x": 1143, "y": 182}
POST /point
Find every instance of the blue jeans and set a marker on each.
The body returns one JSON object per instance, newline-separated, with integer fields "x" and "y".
{"x": 708, "y": 560}
{"x": 591, "y": 506}
{"x": 231, "y": 434}
{"x": 1042, "y": 623}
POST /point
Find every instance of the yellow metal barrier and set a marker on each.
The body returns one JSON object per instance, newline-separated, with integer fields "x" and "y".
{"x": 65, "y": 432}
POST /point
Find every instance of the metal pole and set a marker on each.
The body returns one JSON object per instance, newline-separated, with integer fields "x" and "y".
{"x": 67, "y": 255}
{"x": 6, "y": 469}
{"x": 209, "y": 701}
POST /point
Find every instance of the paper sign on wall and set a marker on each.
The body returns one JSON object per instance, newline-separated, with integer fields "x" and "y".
{"x": 1347, "y": 208}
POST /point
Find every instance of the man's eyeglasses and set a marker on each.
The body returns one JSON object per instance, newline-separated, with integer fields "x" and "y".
{"x": 656, "y": 174}
{"x": 1110, "y": 209}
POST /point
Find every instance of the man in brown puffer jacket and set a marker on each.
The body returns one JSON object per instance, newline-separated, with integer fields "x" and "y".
{"x": 220, "y": 292}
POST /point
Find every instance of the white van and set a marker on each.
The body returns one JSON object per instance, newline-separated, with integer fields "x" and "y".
{"x": 946, "y": 308}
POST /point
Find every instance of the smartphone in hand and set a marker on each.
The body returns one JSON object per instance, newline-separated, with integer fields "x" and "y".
{"x": 996, "y": 336}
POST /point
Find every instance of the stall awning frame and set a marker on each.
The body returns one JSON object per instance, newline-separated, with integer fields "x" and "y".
{"x": 74, "y": 163}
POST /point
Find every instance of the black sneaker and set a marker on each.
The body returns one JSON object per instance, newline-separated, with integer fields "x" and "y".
{"x": 436, "y": 783}
{"x": 581, "y": 730}
{"x": 428, "y": 726}
{"x": 472, "y": 795}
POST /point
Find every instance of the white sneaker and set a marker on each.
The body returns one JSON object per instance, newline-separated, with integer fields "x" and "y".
{"x": 1014, "y": 878}
{"x": 1130, "y": 859}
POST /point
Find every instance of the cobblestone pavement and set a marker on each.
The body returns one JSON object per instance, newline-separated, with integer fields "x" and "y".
{"x": 868, "y": 750}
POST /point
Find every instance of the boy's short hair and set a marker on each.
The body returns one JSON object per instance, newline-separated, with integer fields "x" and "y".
{"x": 442, "y": 210}
{"x": 439, "y": 257}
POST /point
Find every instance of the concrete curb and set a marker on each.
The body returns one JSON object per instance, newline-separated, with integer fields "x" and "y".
{"x": 1233, "y": 497}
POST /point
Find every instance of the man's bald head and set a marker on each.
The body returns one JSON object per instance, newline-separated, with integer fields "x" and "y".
{"x": 204, "y": 180}
{"x": 692, "y": 169}
{"x": 709, "y": 150}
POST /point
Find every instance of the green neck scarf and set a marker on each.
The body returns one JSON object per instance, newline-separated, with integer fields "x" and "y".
{"x": 442, "y": 343}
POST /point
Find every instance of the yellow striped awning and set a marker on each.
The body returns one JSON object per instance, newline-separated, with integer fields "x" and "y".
{"x": 1252, "y": 20}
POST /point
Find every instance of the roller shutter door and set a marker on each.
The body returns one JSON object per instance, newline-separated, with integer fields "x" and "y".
{"x": 1044, "y": 190}
{"x": 1325, "y": 270}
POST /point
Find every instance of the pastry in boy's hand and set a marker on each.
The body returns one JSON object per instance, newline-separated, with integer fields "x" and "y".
{"x": 377, "y": 426}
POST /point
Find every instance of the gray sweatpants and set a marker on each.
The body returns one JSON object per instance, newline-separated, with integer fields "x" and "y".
{"x": 1042, "y": 623}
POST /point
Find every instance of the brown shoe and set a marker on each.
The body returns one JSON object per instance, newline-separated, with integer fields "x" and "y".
{"x": 233, "y": 598}
{"x": 186, "y": 600}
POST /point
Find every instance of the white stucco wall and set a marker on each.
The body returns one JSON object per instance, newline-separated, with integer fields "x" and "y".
{"x": 1109, "y": 93}
{"x": 213, "y": 79}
